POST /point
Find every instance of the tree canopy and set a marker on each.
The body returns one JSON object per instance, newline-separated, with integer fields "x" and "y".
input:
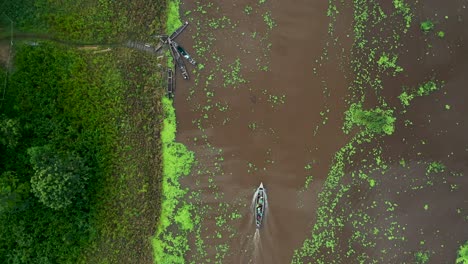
{"x": 58, "y": 178}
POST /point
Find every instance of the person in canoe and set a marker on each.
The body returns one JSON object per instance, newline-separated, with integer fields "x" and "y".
{"x": 260, "y": 205}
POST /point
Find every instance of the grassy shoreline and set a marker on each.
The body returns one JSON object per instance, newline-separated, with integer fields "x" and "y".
{"x": 176, "y": 214}
{"x": 170, "y": 243}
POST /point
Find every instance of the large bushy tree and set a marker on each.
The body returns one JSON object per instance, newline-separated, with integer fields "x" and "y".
{"x": 58, "y": 178}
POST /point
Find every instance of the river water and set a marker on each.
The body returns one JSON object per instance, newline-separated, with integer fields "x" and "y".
{"x": 282, "y": 144}
{"x": 285, "y": 134}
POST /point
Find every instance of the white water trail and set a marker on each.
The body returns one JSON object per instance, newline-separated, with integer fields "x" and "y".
{"x": 252, "y": 205}
{"x": 257, "y": 246}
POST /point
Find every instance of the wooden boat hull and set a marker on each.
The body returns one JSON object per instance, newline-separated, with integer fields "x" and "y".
{"x": 260, "y": 205}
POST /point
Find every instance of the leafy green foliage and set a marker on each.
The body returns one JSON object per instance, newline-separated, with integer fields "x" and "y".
{"x": 435, "y": 167}
{"x": 177, "y": 162}
{"x": 463, "y": 254}
{"x": 57, "y": 100}
{"x": 405, "y": 98}
{"x": 24, "y": 14}
{"x": 421, "y": 257}
{"x": 79, "y": 21}
{"x": 248, "y": 10}
{"x": 173, "y": 19}
{"x": 12, "y": 191}
{"x": 57, "y": 179}
{"x": 377, "y": 120}
{"x": 389, "y": 62}
{"x": 74, "y": 101}
{"x": 427, "y": 88}
{"x": 268, "y": 20}
{"x": 9, "y": 132}
{"x": 422, "y": 90}
{"x": 427, "y": 26}
{"x": 404, "y": 9}
{"x": 233, "y": 76}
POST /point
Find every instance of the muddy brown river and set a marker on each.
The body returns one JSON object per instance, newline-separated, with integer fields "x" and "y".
{"x": 274, "y": 130}
{"x": 285, "y": 133}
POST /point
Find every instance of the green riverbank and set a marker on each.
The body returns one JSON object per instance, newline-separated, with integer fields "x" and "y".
{"x": 170, "y": 244}
{"x": 82, "y": 161}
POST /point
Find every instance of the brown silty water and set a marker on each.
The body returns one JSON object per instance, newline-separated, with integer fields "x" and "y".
{"x": 436, "y": 134}
{"x": 284, "y": 141}
{"x": 286, "y": 138}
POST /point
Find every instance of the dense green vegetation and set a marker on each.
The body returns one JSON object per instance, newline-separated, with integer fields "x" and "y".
{"x": 169, "y": 246}
{"x": 58, "y": 180}
{"x": 79, "y": 148}
{"x": 421, "y": 257}
{"x": 177, "y": 160}
{"x": 79, "y": 21}
{"x": 54, "y": 135}
{"x": 422, "y": 90}
{"x": 376, "y": 120}
{"x": 173, "y": 19}
{"x": 427, "y": 26}
{"x": 463, "y": 254}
